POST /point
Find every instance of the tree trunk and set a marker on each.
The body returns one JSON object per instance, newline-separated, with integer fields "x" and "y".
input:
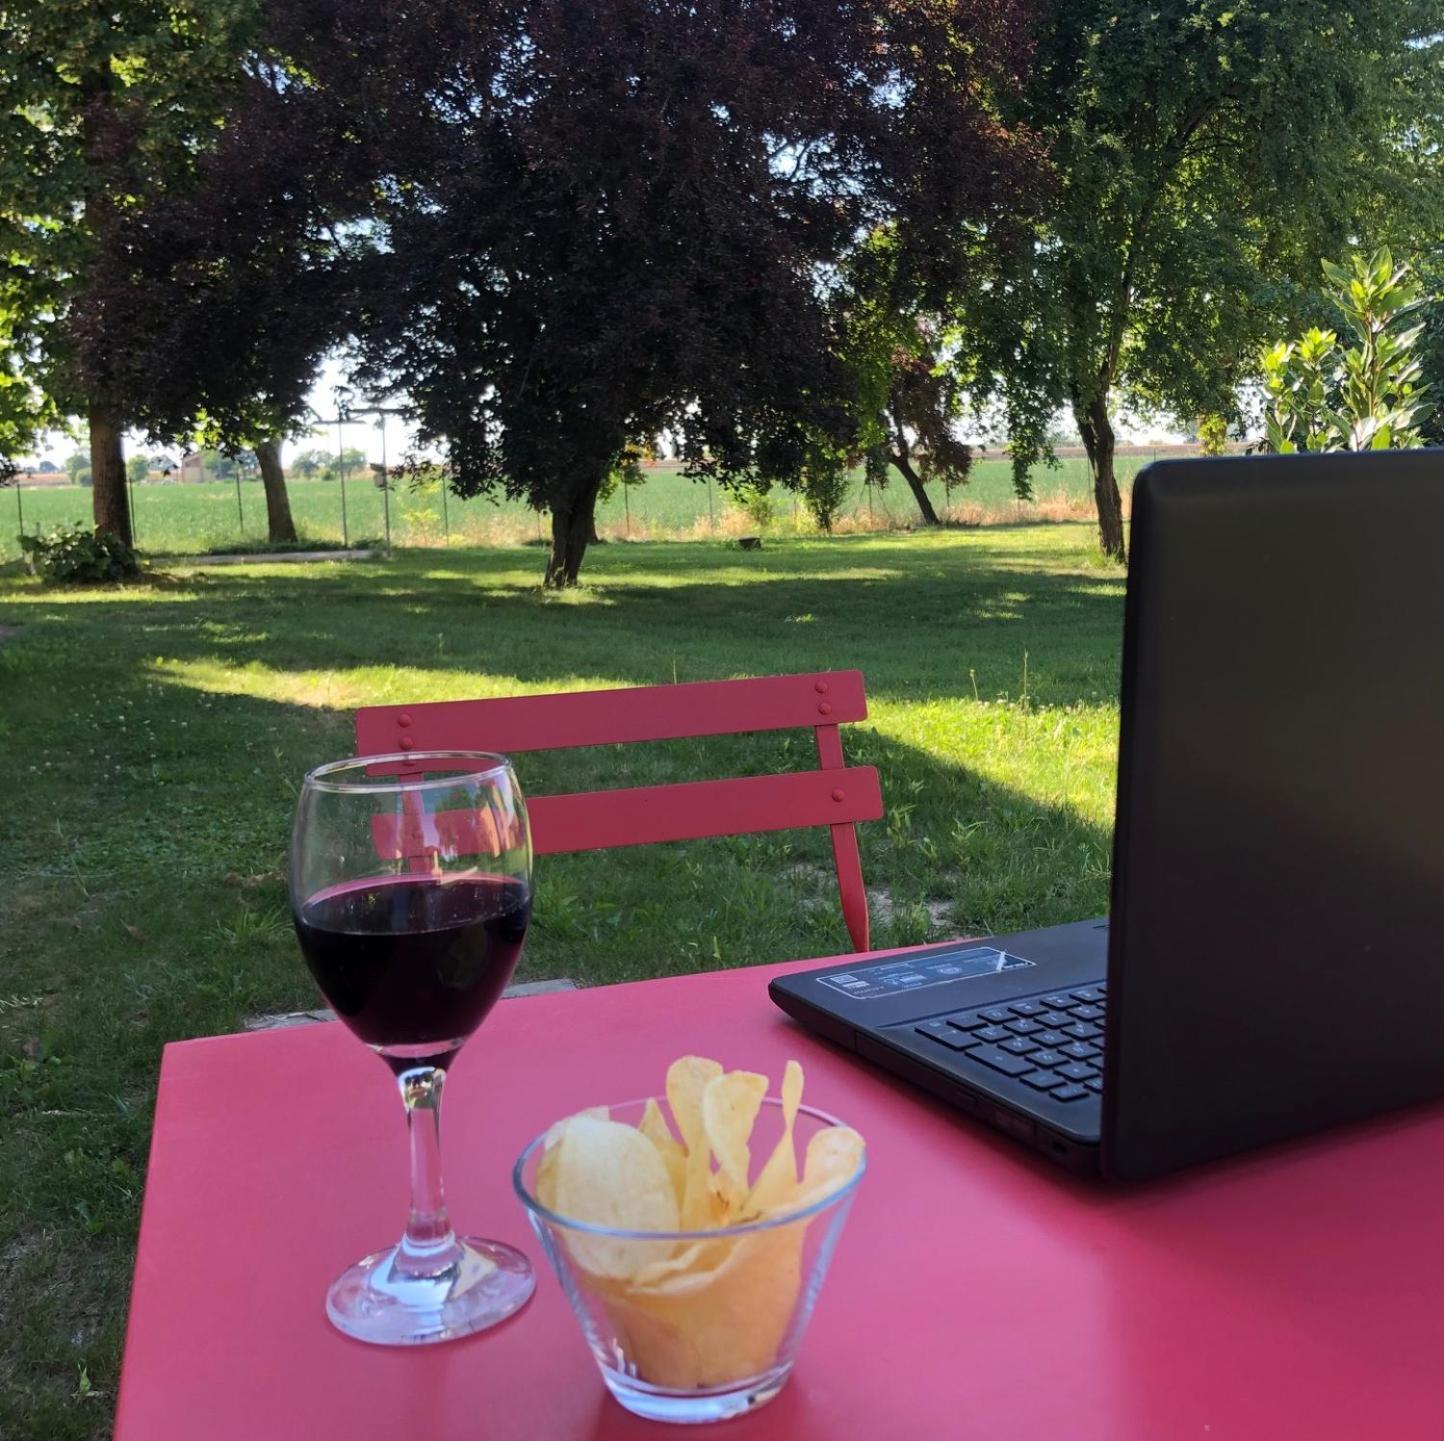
{"x": 109, "y": 501}
{"x": 905, "y": 468}
{"x": 573, "y": 527}
{"x": 901, "y": 457}
{"x": 279, "y": 525}
{"x": 1099, "y": 441}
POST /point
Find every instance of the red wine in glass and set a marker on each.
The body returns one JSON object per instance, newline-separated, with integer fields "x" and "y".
{"x": 414, "y": 963}
{"x": 411, "y": 891}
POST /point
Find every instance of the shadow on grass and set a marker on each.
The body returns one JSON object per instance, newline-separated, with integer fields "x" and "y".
{"x": 921, "y": 620}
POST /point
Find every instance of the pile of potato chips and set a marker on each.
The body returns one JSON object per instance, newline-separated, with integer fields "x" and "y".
{"x": 705, "y": 1311}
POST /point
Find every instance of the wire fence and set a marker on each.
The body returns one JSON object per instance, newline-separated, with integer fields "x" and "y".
{"x": 187, "y": 518}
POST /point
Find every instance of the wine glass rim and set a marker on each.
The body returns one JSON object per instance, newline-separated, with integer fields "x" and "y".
{"x": 477, "y": 765}
{"x": 768, "y": 1223}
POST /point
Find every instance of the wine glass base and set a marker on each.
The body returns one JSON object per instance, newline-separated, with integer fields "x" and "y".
{"x": 486, "y": 1284}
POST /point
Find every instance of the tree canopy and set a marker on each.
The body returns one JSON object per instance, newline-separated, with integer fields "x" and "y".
{"x": 101, "y": 107}
{"x": 1208, "y": 153}
{"x": 584, "y": 225}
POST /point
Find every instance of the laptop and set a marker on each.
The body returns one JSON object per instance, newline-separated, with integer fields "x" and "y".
{"x": 1273, "y": 961}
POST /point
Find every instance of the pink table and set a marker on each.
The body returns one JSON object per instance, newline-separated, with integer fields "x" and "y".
{"x": 976, "y": 1293}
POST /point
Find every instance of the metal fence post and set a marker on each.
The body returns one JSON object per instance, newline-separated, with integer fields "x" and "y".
{"x": 240, "y": 509}
{"x": 341, "y": 469}
{"x": 445, "y": 514}
{"x": 385, "y": 483}
{"x": 20, "y": 508}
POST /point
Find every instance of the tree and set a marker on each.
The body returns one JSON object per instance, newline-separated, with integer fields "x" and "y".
{"x": 589, "y": 225}
{"x": 100, "y": 106}
{"x": 923, "y": 403}
{"x": 1369, "y": 396}
{"x": 218, "y": 465}
{"x": 48, "y": 467}
{"x": 75, "y": 462}
{"x": 310, "y": 463}
{"x": 626, "y": 476}
{"x": 1207, "y": 155}
{"x": 137, "y": 469}
{"x": 227, "y": 278}
{"x": 280, "y": 524}
{"x": 911, "y": 396}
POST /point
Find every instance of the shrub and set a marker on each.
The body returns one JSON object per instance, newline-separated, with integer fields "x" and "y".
{"x": 824, "y": 488}
{"x": 75, "y": 555}
{"x": 1370, "y": 396}
{"x": 755, "y": 502}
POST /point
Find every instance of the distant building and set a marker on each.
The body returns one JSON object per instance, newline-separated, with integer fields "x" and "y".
{"x": 192, "y": 468}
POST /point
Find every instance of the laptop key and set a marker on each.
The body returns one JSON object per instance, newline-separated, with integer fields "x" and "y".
{"x": 1019, "y": 1046}
{"x": 1095, "y": 1084}
{"x": 1071, "y": 1092}
{"x": 953, "y": 1040}
{"x": 1083, "y": 1031}
{"x": 1008, "y": 1064}
{"x": 1049, "y": 1057}
{"x": 1081, "y": 1050}
{"x": 1059, "y": 1000}
{"x": 1042, "y": 1080}
{"x": 1055, "y": 1019}
{"x": 1075, "y": 1071}
{"x": 1090, "y": 994}
{"x": 997, "y": 1014}
{"x": 966, "y": 1021}
{"x": 991, "y": 1034}
{"x": 1026, "y": 1008}
{"x": 1088, "y": 1013}
{"x": 1024, "y": 1027}
{"x": 1051, "y": 1038}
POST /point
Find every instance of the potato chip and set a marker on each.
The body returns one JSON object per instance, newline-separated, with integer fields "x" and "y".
{"x": 833, "y": 1157}
{"x": 546, "y": 1167}
{"x": 609, "y": 1174}
{"x": 654, "y": 1127}
{"x": 778, "y": 1178}
{"x": 729, "y": 1111}
{"x": 687, "y": 1079}
{"x": 699, "y": 1256}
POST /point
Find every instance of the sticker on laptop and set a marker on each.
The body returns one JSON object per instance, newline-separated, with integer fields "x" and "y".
{"x": 916, "y": 973}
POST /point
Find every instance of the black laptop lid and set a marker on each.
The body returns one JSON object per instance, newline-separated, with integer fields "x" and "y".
{"x": 1277, "y": 939}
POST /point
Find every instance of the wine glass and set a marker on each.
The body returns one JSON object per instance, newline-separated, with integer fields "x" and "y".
{"x": 410, "y": 882}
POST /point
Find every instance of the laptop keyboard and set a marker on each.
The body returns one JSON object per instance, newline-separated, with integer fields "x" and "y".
{"x": 1053, "y": 1043}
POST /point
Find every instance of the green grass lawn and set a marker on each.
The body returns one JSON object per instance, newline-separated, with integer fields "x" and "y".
{"x": 152, "y": 737}
{"x": 197, "y": 518}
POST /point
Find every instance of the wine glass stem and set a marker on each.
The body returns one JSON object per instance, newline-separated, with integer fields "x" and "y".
{"x": 429, "y": 1245}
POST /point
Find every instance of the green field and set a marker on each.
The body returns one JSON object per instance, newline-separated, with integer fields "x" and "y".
{"x": 198, "y": 518}
{"x": 152, "y": 737}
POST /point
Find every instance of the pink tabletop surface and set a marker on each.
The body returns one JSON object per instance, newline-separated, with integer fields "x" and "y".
{"x": 1297, "y": 1292}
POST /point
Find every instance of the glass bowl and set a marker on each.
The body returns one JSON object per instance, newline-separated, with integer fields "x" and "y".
{"x": 715, "y": 1329}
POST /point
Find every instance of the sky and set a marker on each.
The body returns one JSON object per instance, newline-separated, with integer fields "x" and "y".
{"x": 365, "y": 434}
